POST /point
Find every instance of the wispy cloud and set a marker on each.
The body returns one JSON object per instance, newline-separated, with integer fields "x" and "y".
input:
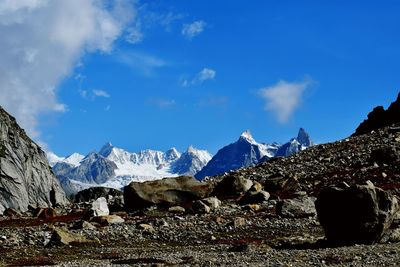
{"x": 284, "y": 98}
{"x": 42, "y": 42}
{"x": 204, "y": 75}
{"x": 161, "y": 102}
{"x": 101, "y": 93}
{"x": 193, "y": 29}
{"x": 142, "y": 62}
{"x": 134, "y": 35}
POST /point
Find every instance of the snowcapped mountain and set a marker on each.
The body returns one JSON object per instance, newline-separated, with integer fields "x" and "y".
{"x": 242, "y": 153}
{"x": 115, "y": 167}
{"x": 72, "y": 159}
{"x": 295, "y": 145}
{"x": 246, "y": 152}
{"x": 191, "y": 161}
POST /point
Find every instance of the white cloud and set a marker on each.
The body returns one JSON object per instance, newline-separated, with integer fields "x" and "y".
{"x": 193, "y": 29}
{"x": 41, "y": 43}
{"x": 144, "y": 63}
{"x": 284, "y": 98}
{"x": 134, "y": 35}
{"x": 101, "y": 93}
{"x": 204, "y": 75}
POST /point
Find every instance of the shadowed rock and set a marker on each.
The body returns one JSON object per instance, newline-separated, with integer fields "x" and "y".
{"x": 360, "y": 214}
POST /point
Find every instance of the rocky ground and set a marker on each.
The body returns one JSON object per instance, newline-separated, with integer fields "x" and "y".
{"x": 280, "y": 228}
{"x": 231, "y": 235}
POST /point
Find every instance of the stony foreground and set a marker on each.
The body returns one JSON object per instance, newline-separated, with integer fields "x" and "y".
{"x": 230, "y": 236}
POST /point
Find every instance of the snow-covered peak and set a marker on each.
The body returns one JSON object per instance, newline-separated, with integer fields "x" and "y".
{"x": 246, "y": 135}
{"x": 53, "y": 158}
{"x": 172, "y": 154}
{"x": 74, "y": 159}
{"x": 203, "y": 155}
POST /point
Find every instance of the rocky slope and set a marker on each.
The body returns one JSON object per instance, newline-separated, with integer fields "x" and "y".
{"x": 26, "y": 178}
{"x": 374, "y": 157}
{"x": 379, "y": 117}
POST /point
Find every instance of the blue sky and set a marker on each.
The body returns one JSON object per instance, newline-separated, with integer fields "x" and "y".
{"x": 180, "y": 73}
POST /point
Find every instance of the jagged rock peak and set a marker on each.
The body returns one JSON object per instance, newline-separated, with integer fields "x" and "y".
{"x": 246, "y": 136}
{"x": 304, "y": 138}
{"x": 172, "y": 154}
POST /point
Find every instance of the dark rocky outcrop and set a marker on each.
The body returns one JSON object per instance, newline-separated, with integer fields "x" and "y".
{"x": 168, "y": 191}
{"x": 379, "y": 117}
{"x": 360, "y": 214}
{"x": 232, "y": 186}
{"x": 26, "y": 178}
{"x": 94, "y": 193}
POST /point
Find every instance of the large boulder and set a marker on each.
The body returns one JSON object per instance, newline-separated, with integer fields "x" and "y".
{"x": 232, "y": 186}
{"x": 360, "y": 214}
{"x": 26, "y": 178}
{"x": 168, "y": 192}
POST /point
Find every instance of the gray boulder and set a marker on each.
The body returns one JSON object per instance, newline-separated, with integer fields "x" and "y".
{"x": 359, "y": 214}
{"x": 26, "y": 178}
{"x": 168, "y": 192}
{"x": 300, "y": 207}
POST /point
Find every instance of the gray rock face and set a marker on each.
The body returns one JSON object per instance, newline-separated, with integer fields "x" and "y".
{"x": 94, "y": 168}
{"x": 25, "y": 175}
{"x": 357, "y": 214}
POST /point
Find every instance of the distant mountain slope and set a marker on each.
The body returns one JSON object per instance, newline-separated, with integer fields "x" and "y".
{"x": 301, "y": 142}
{"x": 191, "y": 162}
{"x": 246, "y": 152}
{"x": 26, "y": 178}
{"x": 379, "y": 117}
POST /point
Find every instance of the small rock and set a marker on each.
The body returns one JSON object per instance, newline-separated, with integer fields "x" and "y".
{"x": 253, "y": 197}
{"x": 199, "y": 207}
{"x": 219, "y": 220}
{"x": 100, "y": 207}
{"x": 83, "y": 225}
{"x": 64, "y": 237}
{"x": 239, "y": 222}
{"x": 213, "y": 202}
{"x": 147, "y": 228}
{"x": 252, "y": 207}
{"x": 107, "y": 220}
{"x": 177, "y": 209}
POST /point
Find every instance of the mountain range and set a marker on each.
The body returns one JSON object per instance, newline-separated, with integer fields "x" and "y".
{"x": 115, "y": 167}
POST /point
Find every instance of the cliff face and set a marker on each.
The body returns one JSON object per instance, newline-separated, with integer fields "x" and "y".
{"x": 26, "y": 178}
